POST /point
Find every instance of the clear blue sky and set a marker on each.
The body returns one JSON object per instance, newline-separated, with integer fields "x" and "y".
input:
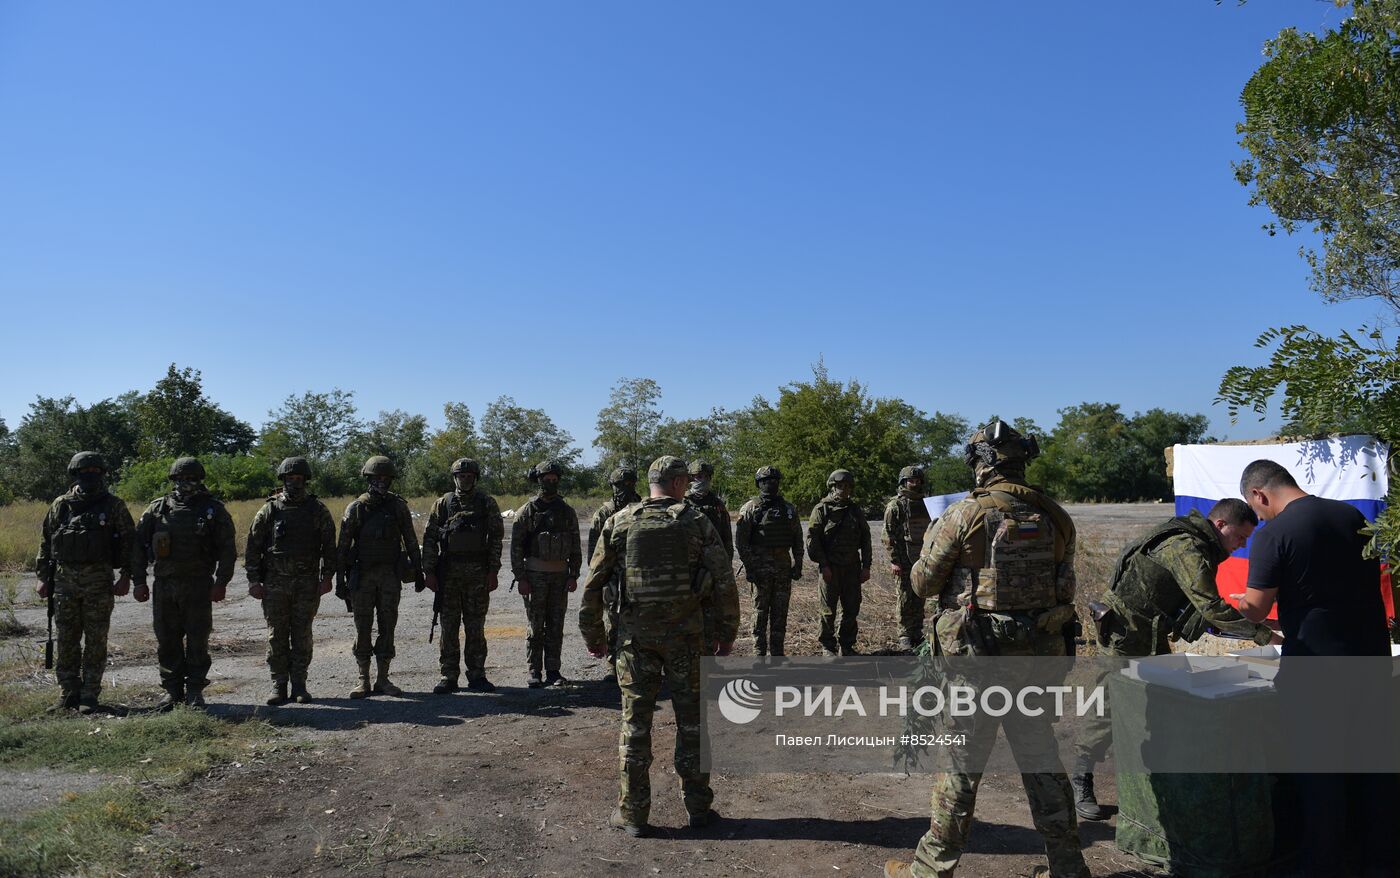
{"x": 975, "y": 207}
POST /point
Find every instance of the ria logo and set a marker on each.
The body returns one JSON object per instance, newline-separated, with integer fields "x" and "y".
{"x": 739, "y": 701}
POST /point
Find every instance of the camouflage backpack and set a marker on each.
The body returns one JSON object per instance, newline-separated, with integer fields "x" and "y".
{"x": 660, "y": 594}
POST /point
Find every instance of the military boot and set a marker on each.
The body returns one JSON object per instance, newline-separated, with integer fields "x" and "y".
{"x": 480, "y": 684}
{"x": 777, "y": 649}
{"x": 172, "y": 697}
{"x": 709, "y": 818}
{"x": 363, "y": 690}
{"x": 536, "y": 681}
{"x": 446, "y": 686}
{"x": 195, "y": 698}
{"x": 554, "y": 678}
{"x": 1086, "y": 805}
{"x": 66, "y": 701}
{"x": 87, "y": 703}
{"x": 299, "y": 693}
{"x": 277, "y": 696}
{"x": 636, "y": 830}
{"x": 382, "y": 684}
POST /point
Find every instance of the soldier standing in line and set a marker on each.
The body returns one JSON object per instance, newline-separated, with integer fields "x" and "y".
{"x": 87, "y": 533}
{"x": 290, "y": 559}
{"x": 189, "y": 537}
{"x": 462, "y": 554}
{"x": 1001, "y": 563}
{"x": 623, "y": 480}
{"x": 838, "y": 542}
{"x": 702, "y": 497}
{"x": 906, "y": 520}
{"x": 378, "y": 552}
{"x": 545, "y": 557}
{"x": 768, "y": 539}
{"x": 674, "y": 574}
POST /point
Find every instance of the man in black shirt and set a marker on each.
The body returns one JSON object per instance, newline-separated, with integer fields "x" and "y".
{"x": 1309, "y": 558}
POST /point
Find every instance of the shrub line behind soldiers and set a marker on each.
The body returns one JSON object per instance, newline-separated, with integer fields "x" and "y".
{"x": 768, "y": 540}
{"x": 189, "y": 537}
{"x": 290, "y": 559}
{"x": 676, "y": 579}
{"x": 838, "y": 542}
{"x": 377, "y": 553}
{"x": 87, "y": 533}
{"x": 623, "y": 481}
{"x": 545, "y": 557}
{"x": 1001, "y": 564}
{"x": 462, "y": 554}
{"x": 906, "y": 521}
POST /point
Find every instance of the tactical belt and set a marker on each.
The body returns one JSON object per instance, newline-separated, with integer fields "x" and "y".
{"x": 539, "y": 565}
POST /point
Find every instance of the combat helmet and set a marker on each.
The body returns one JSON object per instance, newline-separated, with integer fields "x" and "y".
{"x": 84, "y": 459}
{"x": 839, "y": 476}
{"x": 379, "y": 465}
{"x": 294, "y": 466}
{"x": 621, "y": 475}
{"x": 768, "y": 472}
{"x": 544, "y": 468}
{"x": 910, "y": 472}
{"x": 466, "y": 465}
{"x": 999, "y": 446}
{"x": 187, "y": 468}
{"x": 702, "y": 468}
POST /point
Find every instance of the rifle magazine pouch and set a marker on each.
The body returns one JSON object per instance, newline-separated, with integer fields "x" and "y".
{"x": 160, "y": 544}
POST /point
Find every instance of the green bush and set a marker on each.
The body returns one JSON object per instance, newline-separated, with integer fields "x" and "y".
{"x": 229, "y": 477}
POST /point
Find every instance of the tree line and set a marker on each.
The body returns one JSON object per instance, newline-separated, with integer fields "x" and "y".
{"x": 807, "y": 429}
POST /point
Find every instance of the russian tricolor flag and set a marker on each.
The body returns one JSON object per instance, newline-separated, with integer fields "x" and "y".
{"x": 1348, "y": 468}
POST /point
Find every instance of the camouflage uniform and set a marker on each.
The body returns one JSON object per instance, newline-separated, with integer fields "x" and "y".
{"x": 190, "y": 539}
{"x": 85, "y": 535}
{"x": 291, "y": 548}
{"x": 768, "y": 540}
{"x": 623, "y": 496}
{"x": 462, "y": 544}
{"x": 545, "y": 551}
{"x": 674, "y": 570}
{"x": 838, "y": 539}
{"x": 1163, "y": 588}
{"x": 378, "y": 547}
{"x": 906, "y": 520}
{"x": 1001, "y": 564}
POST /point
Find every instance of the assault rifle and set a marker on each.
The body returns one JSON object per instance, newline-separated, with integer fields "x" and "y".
{"x": 48, "y": 644}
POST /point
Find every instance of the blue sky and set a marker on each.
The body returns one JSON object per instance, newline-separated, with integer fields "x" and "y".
{"x": 974, "y": 207}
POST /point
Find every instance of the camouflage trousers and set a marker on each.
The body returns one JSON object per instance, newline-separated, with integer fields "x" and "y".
{"x": 465, "y": 601}
{"x": 772, "y": 592}
{"x": 290, "y": 610}
{"x": 183, "y": 617}
{"x": 911, "y": 610}
{"x": 1032, "y": 739}
{"x": 842, "y": 592}
{"x": 81, "y": 616}
{"x": 642, "y": 665}
{"x": 1116, "y": 642}
{"x": 376, "y": 600}
{"x": 546, "y": 607}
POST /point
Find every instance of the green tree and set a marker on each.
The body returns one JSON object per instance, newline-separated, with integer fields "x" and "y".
{"x": 1322, "y": 132}
{"x": 513, "y": 438}
{"x": 627, "y": 426}
{"x": 176, "y": 418}
{"x": 395, "y": 434}
{"x": 312, "y": 425}
{"x": 429, "y": 472}
{"x": 36, "y": 462}
{"x": 1097, "y": 452}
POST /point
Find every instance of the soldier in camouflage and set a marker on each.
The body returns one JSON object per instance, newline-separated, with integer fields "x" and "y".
{"x": 377, "y": 552}
{"x": 545, "y": 557}
{"x": 768, "y": 540}
{"x": 290, "y": 559}
{"x": 462, "y": 553}
{"x": 1163, "y": 590}
{"x": 1001, "y": 564}
{"x": 86, "y": 534}
{"x": 675, "y": 574}
{"x": 838, "y": 542}
{"x": 189, "y": 537}
{"x": 623, "y": 480}
{"x": 702, "y": 497}
{"x": 906, "y": 520}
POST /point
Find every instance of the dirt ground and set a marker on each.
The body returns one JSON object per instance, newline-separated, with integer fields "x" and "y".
{"x": 521, "y": 782}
